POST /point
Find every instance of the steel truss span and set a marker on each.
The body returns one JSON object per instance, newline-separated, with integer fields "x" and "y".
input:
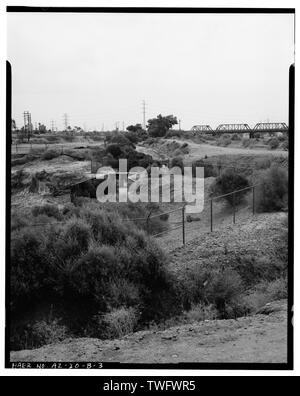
{"x": 262, "y": 127}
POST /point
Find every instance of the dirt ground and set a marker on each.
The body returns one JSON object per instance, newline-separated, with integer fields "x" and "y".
{"x": 256, "y": 339}
{"x": 200, "y": 150}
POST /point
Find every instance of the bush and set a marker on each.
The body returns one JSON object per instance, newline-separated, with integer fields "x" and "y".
{"x": 285, "y": 144}
{"x": 236, "y": 136}
{"x": 223, "y": 289}
{"x": 48, "y": 210}
{"x": 51, "y": 138}
{"x": 272, "y": 193}
{"x": 253, "y": 269}
{"x": 224, "y": 141}
{"x": 209, "y": 169}
{"x": 246, "y": 142}
{"x": 265, "y": 292}
{"x": 115, "y": 150}
{"x": 38, "y": 333}
{"x": 230, "y": 181}
{"x": 200, "y": 312}
{"x": 177, "y": 161}
{"x": 119, "y": 139}
{"x": 273, "y": 143}
{"x": 119, "y": 322}
{"x": 50, "y": 154}
{"x": 77, "y": 154}
{"x": 90, "y": 265}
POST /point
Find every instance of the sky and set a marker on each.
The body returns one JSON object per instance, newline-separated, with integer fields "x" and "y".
{"x": 98, "y": 68}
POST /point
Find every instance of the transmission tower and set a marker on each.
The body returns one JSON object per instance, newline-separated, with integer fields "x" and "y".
{"x": 144, "y": 114}
{"x": 27, "y": 124}
{"x": 65, "y": 121}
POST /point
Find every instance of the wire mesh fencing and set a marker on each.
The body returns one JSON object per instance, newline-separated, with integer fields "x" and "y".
{"x": 220, "y": 211}
{"x": 174, "y": 228}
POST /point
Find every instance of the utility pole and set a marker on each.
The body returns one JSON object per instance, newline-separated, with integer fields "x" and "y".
{"x": 179, "y": 124}
{"x": 65, "y": 121}
{"x": 144, "y": 114}
{"x": 123, "y": 126}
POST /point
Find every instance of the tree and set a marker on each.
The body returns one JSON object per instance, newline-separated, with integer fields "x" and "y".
{"x": 159, "y": 126}
{"x": 134, "y": 128}
{"x": 228, "y": 182}
{"x": 136, "y": 133}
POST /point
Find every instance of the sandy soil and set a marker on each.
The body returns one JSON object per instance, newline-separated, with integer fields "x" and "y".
{"x": 201, "y": 150}
{"x": 256, "y": 339}
{"x": 59, "y": 164}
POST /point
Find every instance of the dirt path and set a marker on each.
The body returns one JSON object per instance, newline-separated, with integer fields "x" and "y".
{"x": 256, "y": 339}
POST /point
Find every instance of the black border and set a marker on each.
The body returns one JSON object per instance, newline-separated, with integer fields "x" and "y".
{"x": 179, "y": 366}
{"x": 163, "y": 10}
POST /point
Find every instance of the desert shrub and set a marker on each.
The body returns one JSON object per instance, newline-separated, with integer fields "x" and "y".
{"x": 17, "y": 222}
{"x": 235, "y": 136}
{"x": 246, "y": 142}
{"x": 200, "y": 312}
{"x": 89, "y": 264}
{"x": 51, "y": 138}
{"x": 214, "y": 286}
{"x": 224, "y": 140}
{"x": 253, "y": 269}
{"x": 80, "y": 155}
{"x": 273, "y": 143}
{"x": 223, "y": 289}
{"x": 174, "y": 133}
{"x": 19, "y": 179}
{"x": 263, "y": 163}
{"x": 27, "y": 254}
{"x": 209, "y": 169}
{"x": 69, "y": 138}
{"x": 24, "y": 159}
{"x": 177, "y": 161}
{"x": 50, "y": 154}
{"x": 265, "y": 292}
{"x": 37, "y": 333}
{"x": 230, "y": 181}
{"x": 48, "y": 210}
{"x": 115, "y": 150}
{"x": 119, "y": 322}
{"x": 285, "y": 144}
{"x": 272, "y": 192}
{"x": 119, "y": 139}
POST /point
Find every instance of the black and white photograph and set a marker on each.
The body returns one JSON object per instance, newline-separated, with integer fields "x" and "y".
{"x": 149, "y": 188}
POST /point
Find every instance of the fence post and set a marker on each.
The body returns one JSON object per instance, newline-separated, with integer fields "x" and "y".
{"x": 233, "y": 208}
{"x": 183, "y": 225}
{"x": 147, "y": 222}
{"x": 253, "y": 200}
{"x": 211, "y": 215}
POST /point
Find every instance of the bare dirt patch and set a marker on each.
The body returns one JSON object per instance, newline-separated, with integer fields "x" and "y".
{"x": 256, "y": 339}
